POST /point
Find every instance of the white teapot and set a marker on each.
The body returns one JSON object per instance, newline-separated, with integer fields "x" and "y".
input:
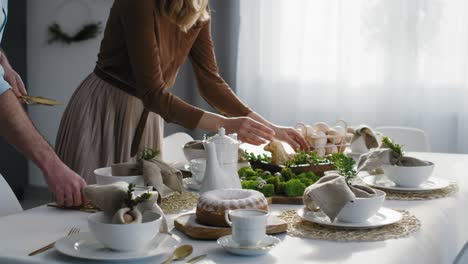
{"x": 221, "y": 163}
{"x": 227, "y": 147}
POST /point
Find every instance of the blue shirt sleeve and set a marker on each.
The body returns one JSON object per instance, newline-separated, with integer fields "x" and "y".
{"x": 4, "y": 85}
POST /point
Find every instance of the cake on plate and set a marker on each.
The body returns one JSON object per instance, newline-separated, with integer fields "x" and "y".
{"x": 212, "y": 205}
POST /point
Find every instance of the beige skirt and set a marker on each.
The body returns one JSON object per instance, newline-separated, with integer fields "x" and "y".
{"x": 98, "y": 126}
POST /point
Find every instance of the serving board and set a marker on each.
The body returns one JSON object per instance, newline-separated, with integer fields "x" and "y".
{"x": 279, "y": 199}
{"x": 188, "y": 225}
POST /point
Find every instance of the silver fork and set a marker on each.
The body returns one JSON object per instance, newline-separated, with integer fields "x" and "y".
{"x": 73, "y": 230}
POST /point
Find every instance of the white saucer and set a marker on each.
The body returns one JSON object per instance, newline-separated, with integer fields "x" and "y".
{"x": 192, "y": 184}
{"x": 85, "y": 246}
{"x": 385, "y": 216}
{"x": 382, "y": 182}
{"x": 182, "y": 165}
{"x": 267, "y": 243}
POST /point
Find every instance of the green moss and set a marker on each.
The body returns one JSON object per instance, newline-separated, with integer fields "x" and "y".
{"x": 246, "y": 172}
{"x": 287, "y": 174}
{"x": 294, "y": 187}
{"x": 268, "y": 190}
{"x": 280, "y": 188}
{"x": 251, "y": 185}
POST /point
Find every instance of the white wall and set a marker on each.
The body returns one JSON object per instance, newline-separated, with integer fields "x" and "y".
{"x": 56, "y": 70}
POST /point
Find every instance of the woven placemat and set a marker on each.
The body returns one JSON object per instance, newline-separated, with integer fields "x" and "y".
{"x": 300, "y": 228}
{"x": 419, "y": 196}
{"x": 178, "y": 203}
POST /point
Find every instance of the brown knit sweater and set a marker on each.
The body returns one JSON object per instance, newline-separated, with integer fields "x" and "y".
{"x": 142, "y": 52}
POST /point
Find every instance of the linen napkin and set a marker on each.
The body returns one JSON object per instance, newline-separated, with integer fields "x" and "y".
{"x": 376, "y": 158}
{"x": 110, "y": 199}
{"x": 363, "y": 139}
{"x": 331, "y": 193}
{"x": 163, "y": 177}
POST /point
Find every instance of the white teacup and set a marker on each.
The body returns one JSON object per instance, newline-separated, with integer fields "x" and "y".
{"x": 248, "y": 225}
{"x": 197, "y": 168}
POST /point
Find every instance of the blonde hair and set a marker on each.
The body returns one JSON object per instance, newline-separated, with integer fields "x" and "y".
{"x": 185, "y": 13}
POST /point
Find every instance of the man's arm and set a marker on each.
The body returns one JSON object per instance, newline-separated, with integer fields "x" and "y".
{"x": 11, "y": 76}
{"x": 18, "y": 130}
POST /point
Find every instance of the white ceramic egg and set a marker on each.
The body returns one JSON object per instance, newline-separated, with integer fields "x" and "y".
{"x": 320, "y": 152}
{"x": 330, "y": 149}
{"x": 321, "y": 126}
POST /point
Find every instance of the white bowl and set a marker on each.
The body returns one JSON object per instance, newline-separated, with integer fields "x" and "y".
{"x": 191, "y": 154}
{"x": 124, "y": 237}
{"x": 408, "y": 176}
{"x": 104, "y": 177}
{"x": 361, "y": 209}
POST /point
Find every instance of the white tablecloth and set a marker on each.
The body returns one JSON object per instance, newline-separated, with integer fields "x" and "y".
{"x": 443, "y": 233}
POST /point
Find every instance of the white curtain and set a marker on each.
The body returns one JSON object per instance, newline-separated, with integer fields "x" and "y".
{"x": 378, "y": 62}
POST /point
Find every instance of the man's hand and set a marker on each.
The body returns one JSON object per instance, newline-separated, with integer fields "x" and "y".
{"x": 66, "y": 185}
{"x": 12, "y": 77}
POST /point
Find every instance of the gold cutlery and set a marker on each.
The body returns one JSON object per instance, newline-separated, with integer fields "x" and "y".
{"x": 34, "y": 100}
{"x": 72, "y": 231}
{"x": 180, "y": 253}
{"x": 195, "y": 259}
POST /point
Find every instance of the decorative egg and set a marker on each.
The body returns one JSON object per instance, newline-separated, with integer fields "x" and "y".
{"x": 320, "y": 152}
{"x": 334, "y": 137}
{"x": 127, "y": 216}
{"x": 330, "y": 149}
{"x": 318, "y": 140}
{"x": 321, "y": 126}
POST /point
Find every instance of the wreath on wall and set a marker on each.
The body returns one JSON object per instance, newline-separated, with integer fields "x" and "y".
{"x": 87, "y": 31}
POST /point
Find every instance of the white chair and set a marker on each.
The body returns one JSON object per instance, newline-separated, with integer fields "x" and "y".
{"x": 462, "y": 257}
{"x": 8, "y": 202}
{"x": 413, "y": 139}
{"x": 171, "y": 149}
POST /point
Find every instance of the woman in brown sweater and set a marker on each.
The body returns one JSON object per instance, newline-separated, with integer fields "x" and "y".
{"x": 120, "y": 107}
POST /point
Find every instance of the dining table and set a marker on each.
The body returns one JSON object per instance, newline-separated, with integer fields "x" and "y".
{"x": 443, "y": 232}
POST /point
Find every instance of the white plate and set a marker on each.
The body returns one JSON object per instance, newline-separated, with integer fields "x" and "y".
{"x": 382, "y": 182}
{"x": 385, "y": 216}
{"x": 267, "y": 243}
{"x": 85, "y": 246}
{"x": 191, "y": 184}
{"x": 182, "y": 165}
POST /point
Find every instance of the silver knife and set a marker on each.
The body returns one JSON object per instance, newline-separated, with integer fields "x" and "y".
{"x": 196, "y": 259}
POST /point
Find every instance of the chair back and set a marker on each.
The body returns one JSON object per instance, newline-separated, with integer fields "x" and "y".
{"x": 462, "y": 257}
{"x": 171, "y": 149}
{"x": 413, "y": 139}
{"x": 8, "y": 202}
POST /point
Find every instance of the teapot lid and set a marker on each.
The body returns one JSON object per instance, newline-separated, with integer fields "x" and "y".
{"x": 221, "y": 138}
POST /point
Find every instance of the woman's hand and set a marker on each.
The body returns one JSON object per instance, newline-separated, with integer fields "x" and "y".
{"x": 248, "y": 130}
{"x": 292, "y": 137}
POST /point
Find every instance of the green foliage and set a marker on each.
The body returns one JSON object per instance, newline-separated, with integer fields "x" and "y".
{"x": 294, "y": 188}
{"x": 251, "y": 185}
{"x": 397, "y": 148}
{"x": 131, "y": 202}
{"x": 148, "y": 154}
{"x": 302, "y": 157}
{"x": 276, "y": 184}
{"x": 344, "y": 165}
{"x": 260, "y": 158}
{"x": 268, "y": 190}
{"x": 287, "y": 174}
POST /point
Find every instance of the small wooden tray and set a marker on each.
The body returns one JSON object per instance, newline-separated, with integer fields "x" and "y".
{"x": 188, "y": 225}
{"x": 279, "y": 199}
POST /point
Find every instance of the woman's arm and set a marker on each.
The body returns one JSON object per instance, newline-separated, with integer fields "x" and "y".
{"x": 220, "y": 96}
{"x": 138, "y": 22}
